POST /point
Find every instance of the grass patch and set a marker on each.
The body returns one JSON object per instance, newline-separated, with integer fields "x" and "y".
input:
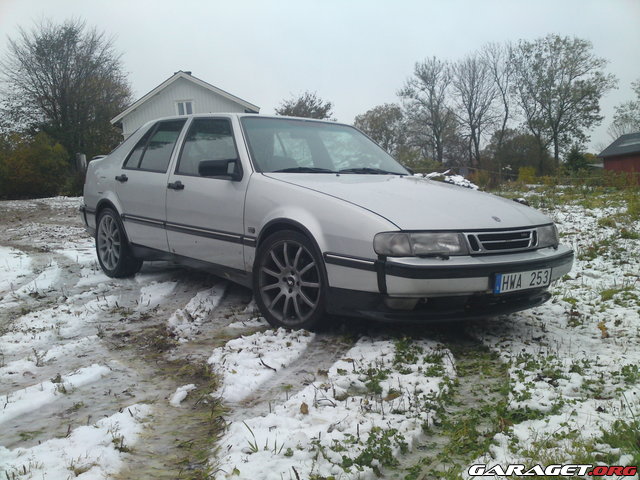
{"x": 607, "y": 222}
{"x": 468, "y": 416}
{"x": 625, "y": 435}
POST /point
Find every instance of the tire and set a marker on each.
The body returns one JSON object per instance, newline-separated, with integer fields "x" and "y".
{"x": 112, "y": 246}
{"x": 289, "y": 281}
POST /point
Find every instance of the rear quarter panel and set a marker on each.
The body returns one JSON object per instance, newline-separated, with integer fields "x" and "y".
{"x": 100, "y": 179}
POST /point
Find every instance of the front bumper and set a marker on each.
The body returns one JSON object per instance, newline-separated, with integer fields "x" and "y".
{"x": 459, "y": 287}
{"x": 466, "y": 307}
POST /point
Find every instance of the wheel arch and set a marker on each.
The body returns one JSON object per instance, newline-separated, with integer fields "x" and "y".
{"x": 280, "y": 224}
{"x": 105, "y": 203}
{"x": 108, "y": 203}
{"x": 296, "y": 232}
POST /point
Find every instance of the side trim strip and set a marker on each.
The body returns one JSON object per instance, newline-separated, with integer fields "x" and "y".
{"x": 191, "y": 230}
{"x": 200, "y": 232}
{"x": 351, "y": 262}
{"x": 249, "y": 241}
{"x": 142, "y": 220}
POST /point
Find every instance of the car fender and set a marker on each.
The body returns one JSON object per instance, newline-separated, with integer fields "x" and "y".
{"x": 335, "y": 225}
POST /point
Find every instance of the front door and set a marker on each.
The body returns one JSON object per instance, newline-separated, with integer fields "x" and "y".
{"x": 205, "y": 214}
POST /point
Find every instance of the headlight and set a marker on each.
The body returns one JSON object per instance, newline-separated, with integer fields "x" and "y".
{"x": 548, "y": 236}
{"x": 398, "y": 244}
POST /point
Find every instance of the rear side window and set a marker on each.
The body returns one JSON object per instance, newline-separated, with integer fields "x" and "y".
{"x": 133, "y": 160}
{"x": 207, "y": 139}
{"x": 153, "y": 151}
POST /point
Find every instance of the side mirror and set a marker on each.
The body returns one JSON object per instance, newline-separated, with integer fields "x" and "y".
{"x": 229, "y": 169}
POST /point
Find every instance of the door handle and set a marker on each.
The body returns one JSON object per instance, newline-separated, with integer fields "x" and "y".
{"x": 122, "y": 178}
{"x": 177, "y": 185}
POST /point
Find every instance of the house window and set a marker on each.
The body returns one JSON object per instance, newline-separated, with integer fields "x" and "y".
{"x": 185, "y": 107}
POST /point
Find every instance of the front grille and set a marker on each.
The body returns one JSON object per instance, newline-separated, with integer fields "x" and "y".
{"x": 497, "y": 241}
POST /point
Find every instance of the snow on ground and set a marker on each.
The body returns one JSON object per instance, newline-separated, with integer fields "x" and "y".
{"x": 184, "y": 323}
{"x": 56, "y": 373}
{"x": 87, "y": 452}
{"x": 31, "y": 398}
{"x": 42, "y": 328}
{"x": 256, "y": 322}
{"x": 368, "y": 409}
{"x": 247, "y": 362}
{"x": 14, "y": 265}
{"x": 153, "y": 295}
{"x": 43, "y": 282}
{"x": 574, "y": 361}
{"x": 180, "y": 394}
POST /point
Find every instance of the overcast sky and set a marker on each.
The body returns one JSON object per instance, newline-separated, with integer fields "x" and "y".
{"x": 355, "y": 53}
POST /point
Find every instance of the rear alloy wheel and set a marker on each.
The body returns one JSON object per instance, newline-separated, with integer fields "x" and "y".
{"x": 289, "y": 281}
{"x": 114, "y": 253}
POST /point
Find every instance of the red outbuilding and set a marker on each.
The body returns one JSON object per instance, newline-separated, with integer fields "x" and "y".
{"x": 623, "y": 155}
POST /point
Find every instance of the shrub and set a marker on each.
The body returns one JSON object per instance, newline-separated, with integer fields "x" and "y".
{"x": 527, "y": 175}
{"x": 482, "y": 178}
{"x": 32, "y": 167}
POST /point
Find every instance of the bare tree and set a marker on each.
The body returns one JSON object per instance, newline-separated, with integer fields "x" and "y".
{"x": 627, "y": 116}
{"x": 474, "y": 91}
{"x": 559, "y": 83}
{"x": 66, "y": 80}
{"x": 498, "y": 59}
{"x": 426, "y": 102}
{"x": 307, "y": 104}
{"x": 385, "y": 125}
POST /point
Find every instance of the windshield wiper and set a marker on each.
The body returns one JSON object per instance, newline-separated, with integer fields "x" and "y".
{"x": 303, "y": 170}
{"x": 369, "y": 170}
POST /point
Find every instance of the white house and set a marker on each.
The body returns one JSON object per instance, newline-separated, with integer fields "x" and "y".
{"x": 180, "y": 94}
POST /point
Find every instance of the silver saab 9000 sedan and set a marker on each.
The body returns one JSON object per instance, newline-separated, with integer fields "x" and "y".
{"x": 316, "y": 218}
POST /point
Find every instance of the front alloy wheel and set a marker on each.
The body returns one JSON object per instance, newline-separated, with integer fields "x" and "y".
{"x": 289, "y": 283}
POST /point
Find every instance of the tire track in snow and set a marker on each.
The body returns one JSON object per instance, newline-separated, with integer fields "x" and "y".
{"x": 34, "y": 397}
{"x": 310, "y": 365}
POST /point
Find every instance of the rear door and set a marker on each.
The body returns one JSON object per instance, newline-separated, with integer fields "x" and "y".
{"x": 205, "y": 214}
{"x": 142, "y": 184}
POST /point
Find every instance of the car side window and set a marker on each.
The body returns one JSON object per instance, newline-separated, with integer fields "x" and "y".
{"x": 157, "y": 155}
{"x": 153, "y": 150}
{"x": 207, "y": 139}
{"x": 133, "y": 160}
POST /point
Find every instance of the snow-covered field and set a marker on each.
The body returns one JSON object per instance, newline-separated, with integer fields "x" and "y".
{"x": 104, "y": 378}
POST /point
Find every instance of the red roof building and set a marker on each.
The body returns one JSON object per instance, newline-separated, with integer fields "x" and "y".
{"x": 623, "y": 155}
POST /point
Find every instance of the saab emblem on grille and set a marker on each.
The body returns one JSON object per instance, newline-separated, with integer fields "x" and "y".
{"x": 497, "y": 219}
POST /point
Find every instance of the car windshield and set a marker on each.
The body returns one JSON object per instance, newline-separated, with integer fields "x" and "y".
{"x": 307, "y": 146}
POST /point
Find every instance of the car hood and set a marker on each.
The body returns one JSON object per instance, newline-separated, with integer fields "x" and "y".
{"x": 416, "y": 203}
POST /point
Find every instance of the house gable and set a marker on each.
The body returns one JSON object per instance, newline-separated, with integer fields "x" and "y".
{"x": 162, "y": 102}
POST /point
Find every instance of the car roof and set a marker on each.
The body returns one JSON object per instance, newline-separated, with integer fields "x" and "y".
{"x": 241, "y": 115}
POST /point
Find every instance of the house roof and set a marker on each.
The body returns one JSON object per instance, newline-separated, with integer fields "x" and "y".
{"x": 187, "y": 76}
{"x": 625, "y": 144}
